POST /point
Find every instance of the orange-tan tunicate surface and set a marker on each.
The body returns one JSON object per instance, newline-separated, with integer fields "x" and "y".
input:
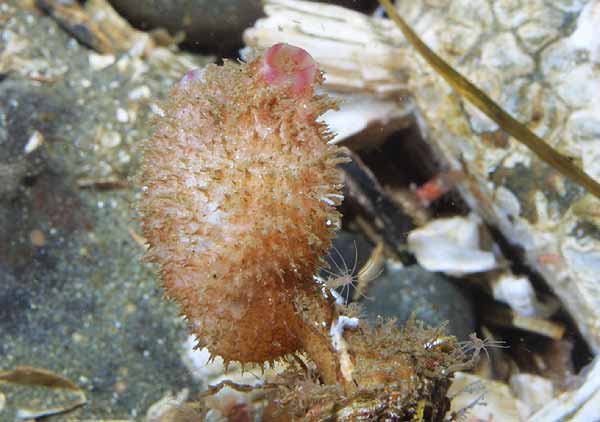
{"x": 239, "y": 192}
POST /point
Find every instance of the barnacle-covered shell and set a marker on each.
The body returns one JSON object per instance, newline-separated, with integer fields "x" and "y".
{"x": 240, "y": 188}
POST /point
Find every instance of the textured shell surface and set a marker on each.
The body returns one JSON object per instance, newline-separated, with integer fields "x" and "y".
{"x": 239, "y": 204}
{"x": 539, "y": 61}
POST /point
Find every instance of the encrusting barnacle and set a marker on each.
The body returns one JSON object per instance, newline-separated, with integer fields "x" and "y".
{"x": 238, "y": 207}
{"x": 239, "y": 201}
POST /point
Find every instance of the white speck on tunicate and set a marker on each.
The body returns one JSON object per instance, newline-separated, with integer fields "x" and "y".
{"x": 85, "y": 83}
{"x": 155, "y": 108}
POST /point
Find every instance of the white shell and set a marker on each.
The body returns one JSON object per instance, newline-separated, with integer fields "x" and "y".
{"x": 451, "y": 245}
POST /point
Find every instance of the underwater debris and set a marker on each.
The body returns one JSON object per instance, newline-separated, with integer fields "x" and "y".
{"x": 533, "y": 391}
{"x": 477, "y": 399}
{"x": 36, "y": 393}
{"x": 73, "y": 19}
{"x": 503, "y": 317}
{"x": 580, "y": 404}
{"x": 386, "y": 388}
{"x": 437, "y": 187}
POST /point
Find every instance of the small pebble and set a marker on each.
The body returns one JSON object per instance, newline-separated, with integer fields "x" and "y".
{"x": 100, "y": 61}
{"x": 110, "y": 139}
{"x": 124, "y": 157}
{"x": 157, "y": 110}
{"x": 120, "y": 386}
{"x": 122, "y": 115}
{"x": 77, "y": 337}
{"x": 139, "y": 93}
{"x": 431, "y": 297}
{"x": 37, "y": 238}
{"x": 215, "y": 26}
{"x": 35, "y": 141}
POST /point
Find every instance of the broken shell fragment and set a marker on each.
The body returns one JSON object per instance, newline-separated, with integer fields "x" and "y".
{"x": 517, "y": 292}
{"x": 451, "y": 245}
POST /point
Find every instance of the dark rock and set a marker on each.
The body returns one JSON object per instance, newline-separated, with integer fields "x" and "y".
{"x": 212, "y": 26}
{"x": 432, "y": 297}
{"x": 366, "y": 6}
